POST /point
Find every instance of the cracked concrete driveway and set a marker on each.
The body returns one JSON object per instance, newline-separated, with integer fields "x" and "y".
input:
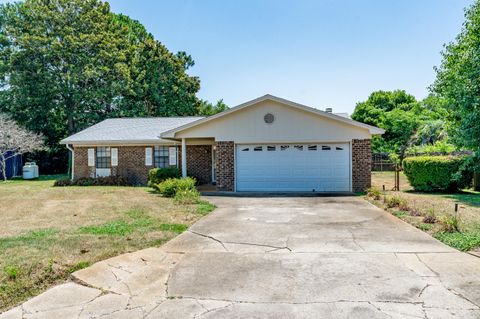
{"x": 336, "y": 257}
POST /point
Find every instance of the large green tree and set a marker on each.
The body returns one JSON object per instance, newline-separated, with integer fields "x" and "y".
{"x": 64, "y": 63}
{"x": 160, "y": 85}
{"x": 67, "y": 64}
{"x": 395, "y": 111}
{"x": 407, "y": 122}
{"x": 458, "y": 81}
{"x": 206, "y": 108}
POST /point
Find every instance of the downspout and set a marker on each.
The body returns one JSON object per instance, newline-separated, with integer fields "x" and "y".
{"x": 73, "y": 159}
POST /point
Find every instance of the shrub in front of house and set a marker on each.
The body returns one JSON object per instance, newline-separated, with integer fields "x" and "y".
{"x": 90, "y": 181}
{"x": 171, "y": 186}
{"x": 187, "y": 197}
{"x": 63, "y": 182}
{"x": 436, "y": 173}
{"x": 158, "y": 175}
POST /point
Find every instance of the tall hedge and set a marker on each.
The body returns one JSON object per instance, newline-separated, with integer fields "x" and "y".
{"x": 433, "y": 173}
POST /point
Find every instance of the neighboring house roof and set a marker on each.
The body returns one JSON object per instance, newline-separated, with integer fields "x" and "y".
{"x": 372, "y": 129}
{"x": 343, "y": 115}
{"x": 128, "y": 130}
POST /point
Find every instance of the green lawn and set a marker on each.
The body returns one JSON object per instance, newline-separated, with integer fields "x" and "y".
{"x": 440, "y": 205}
{"x": 51, "y": 231}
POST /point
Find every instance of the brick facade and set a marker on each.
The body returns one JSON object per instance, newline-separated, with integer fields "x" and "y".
{"x": 199, "y": 162}
{"x": 131, "y": 164}
{"x": 361, "y": 165}
{"x": 81, "y": 168}
{"x": 225, "y": 166}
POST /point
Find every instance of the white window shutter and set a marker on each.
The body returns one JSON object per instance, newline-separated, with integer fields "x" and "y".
{"x": 172, "y": 156}
{"x": 148, "y": 156}
{"x": 114, "y": 156}
{"x": 91, "y": 157}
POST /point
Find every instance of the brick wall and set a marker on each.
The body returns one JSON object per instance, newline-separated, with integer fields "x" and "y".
{"x": 361, "y": 165}
{"x": 81, "y": 168}
{"x": 199, "y": 162}
{"x": 225, "y": 166}
{"x": 131, "y": 164}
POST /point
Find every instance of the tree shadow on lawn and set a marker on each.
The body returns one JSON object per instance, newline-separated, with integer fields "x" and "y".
{"x": 467, "y": 197}
{"x": 471, "y": 198}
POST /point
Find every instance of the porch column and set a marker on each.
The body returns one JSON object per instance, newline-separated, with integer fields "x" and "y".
{"x": 184, "y": 158}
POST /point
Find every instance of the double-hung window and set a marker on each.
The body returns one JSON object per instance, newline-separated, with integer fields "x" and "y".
{"x": 160, "y": 156}
{"x": 103, "y": 159}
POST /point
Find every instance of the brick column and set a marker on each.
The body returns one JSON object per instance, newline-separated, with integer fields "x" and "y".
{"x": 361, "y": 165}
{"x": 225, "y": 166}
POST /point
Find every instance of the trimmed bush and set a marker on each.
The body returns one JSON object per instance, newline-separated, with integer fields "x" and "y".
{"x": 433, "y": 173}
{"x": 158, "y": 175}
{"x": 170, "y": 187}
{"x": 464, "y": 176}
{"x": 90, "y": 181}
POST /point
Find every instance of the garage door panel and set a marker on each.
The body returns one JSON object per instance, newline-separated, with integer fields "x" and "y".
{"x": 299, "y": 167}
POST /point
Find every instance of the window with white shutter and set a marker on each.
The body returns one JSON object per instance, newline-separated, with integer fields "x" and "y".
{"x": 103, "y": 157}
{"x": 91, "y": 157}
{"x": 172, "y": 156}
{"x": 114, "y": 156}
{"x": 148, "y": 156}
{"x": 160, "y": 156}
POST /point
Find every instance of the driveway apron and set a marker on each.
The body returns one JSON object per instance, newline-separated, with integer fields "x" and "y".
{"x": 277, "y": 257}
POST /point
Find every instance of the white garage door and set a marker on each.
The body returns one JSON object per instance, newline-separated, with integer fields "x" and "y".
{"x": 288, "y": 167}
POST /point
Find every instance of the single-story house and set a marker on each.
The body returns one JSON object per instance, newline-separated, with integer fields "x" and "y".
{"x": 267, "y": 144}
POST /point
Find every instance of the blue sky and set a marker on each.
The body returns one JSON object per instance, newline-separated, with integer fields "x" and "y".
{"x": 323, "y": 53}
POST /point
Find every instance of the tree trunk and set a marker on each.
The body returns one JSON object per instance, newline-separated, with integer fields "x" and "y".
{"x": 71, "y": 124}
{"x": 70, "y": 111}
{"x": 476, "y": 181}
{"x": 3, "y": 164}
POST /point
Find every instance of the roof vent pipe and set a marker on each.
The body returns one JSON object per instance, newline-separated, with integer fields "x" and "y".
{"x": 329, "y": 110}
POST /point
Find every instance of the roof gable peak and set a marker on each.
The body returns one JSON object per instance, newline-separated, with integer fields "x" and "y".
{"x": 372, "y": 129}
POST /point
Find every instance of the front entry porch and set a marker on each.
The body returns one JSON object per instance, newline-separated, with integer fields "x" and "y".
{"x": 197, "y": 159}
{"x": 210, "y": 162}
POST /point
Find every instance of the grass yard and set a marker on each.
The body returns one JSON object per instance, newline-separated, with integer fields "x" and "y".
{"x": 441, "y": 206}
{"x": 49, "y": 232}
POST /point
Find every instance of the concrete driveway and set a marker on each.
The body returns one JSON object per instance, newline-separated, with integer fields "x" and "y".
{"x": 330, "y": 257}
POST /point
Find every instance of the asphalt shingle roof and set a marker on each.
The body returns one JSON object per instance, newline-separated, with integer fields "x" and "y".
{"x": 128, "y": 129}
